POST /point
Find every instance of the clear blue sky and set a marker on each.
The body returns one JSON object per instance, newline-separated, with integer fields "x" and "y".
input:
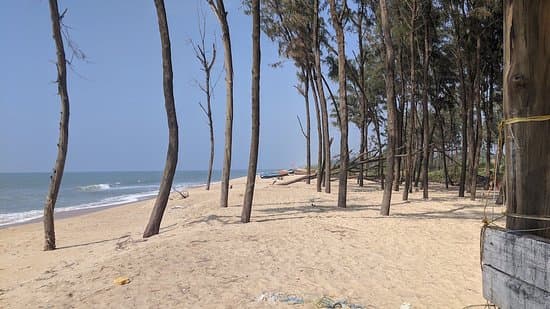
{"x": 118, "y": 119}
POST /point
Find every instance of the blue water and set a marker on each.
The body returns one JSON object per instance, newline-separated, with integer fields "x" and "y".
{"x": 22, "y": 195}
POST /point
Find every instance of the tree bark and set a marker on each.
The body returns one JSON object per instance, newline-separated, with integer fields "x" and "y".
{"x": 336, "y": 18}
{"x": 319, "y": 134}
{"x": 425, "y": 118}
{"x": 479, "y": 134}
{"x": 255, "y": 139}
{"x": 153, "y": 226}
{"x": 219, "y": 9}
{"x": 207, "y": 64}
{"x": 306, "y": 73}
{"x": 409, "y": 171}
{"x": 59, "y": 167}
{"x": 390, "y": 97}
{"x": 527, "y": 93}
{"x": 321, "y": 93}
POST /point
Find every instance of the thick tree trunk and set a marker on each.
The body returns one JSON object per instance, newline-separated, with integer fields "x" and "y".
{"x": 57, "y": 174}
{"x": 319, "y": 135}
{"x": 390, "y": 97}
{"x": 153, "y": 226}
{"x": 219, "y": 9}
{"x": 255, "y": 140}
{"x": 527, "y": 93}
{"x": 343, "y": 106}
{"x": 321, "y": 93}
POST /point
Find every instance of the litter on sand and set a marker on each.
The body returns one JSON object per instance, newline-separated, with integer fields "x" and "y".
{"x": 121, "y": 280}
{"x": 323, "y": 302}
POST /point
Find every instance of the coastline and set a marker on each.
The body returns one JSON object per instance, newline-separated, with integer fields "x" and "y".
{"x": 64, "y": 214}
{"x": 425, "y": 253}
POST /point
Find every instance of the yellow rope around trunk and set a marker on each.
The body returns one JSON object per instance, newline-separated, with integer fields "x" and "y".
{"x": 501, "y": 139}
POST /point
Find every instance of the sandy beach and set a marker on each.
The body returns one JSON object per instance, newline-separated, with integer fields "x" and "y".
{"x": 298, "y": 244}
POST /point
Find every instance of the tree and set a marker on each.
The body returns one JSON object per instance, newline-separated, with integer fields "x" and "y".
{"x": 527, "y": 94}
{"x": 57, "y": 174}
{"x": 425, "y": 117}
{"x": 153, "y": 226}
{"x": 255, "y": 139}
{"x": 206, "y": 66}
{"x": 320, "y": 92}
{"x": 218, "y": 8}
{"x": 409, "y": 170}
{"x": 338, "y": 24}
{"x": 390, "y": 98}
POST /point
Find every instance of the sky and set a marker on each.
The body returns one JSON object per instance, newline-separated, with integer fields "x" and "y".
{"x": 117, "y": 119}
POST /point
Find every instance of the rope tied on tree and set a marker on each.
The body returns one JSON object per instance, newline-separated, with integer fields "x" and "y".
{"x": 501, "y": 139}
{"x": 486, "y": 222}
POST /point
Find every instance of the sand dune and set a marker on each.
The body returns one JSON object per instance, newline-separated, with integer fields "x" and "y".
{"x": 425, "y": 254}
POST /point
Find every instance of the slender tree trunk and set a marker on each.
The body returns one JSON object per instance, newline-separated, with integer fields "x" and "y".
{"x": 219, "y": 9}
{"x": 319, "y": 135}
{"x": 362, "y": 98}
{"x": 305, "y": 74}
{"x": 527, "y": 93}
{"x": 207, "y": 64}
{"x": 400, "y": 122}
{"x": 153, "y": 226}
{"x": 464, "y": 112}
{"x": 390, "y": 97}
{"x": 255, "y": 140}
{"x": 488, "y": 125}
{"x": 211, "y": 130}
{"x": 379, "y": 142}
{"x": 412, "y": 121}
{"x": 57, "y": 173}
{"x": 425, "y": 118}
{"x": 321, "y": 93}
{"x": 479, "y": 135}
{"x": 343, "y": 106}
{"x": 444, "y": 156}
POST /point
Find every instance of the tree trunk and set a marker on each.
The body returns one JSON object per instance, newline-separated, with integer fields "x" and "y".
{"x": 207, "y": 64}
{"x": 412, "y": 121}
{"x": 390, "y": 97}
{"x": 479, "y": 135}
{"x": 464, "y": 113}
{"x": 57, "y": 173}
{"x": 425, "y": 118}
{"x": 153, "y": 226}
{"x": 400, "y": 122}
{"x": 488, "y": 125}
{"x": 255, "y": 140}
{"x": 319, "y": 135}
{"x": 305, "y": 73}
{"x": 442, "y": 131}
{"x": 321, "y": 93}
{"x": 219, "y": 9}
{"x": 343, "y": 106}
{"x": 527, "y": 93}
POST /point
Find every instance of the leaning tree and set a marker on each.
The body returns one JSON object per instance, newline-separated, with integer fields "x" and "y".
{"x": 169, "y": 103}
{"x": 57, "y": 174}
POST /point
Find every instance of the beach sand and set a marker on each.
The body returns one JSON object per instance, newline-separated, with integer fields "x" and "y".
{"x": 298, "y": 243}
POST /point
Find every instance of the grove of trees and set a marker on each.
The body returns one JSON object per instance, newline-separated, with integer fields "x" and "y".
{"x": 420, "y": 79}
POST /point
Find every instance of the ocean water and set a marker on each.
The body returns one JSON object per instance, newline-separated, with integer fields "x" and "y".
{"x": 22, "y": 195}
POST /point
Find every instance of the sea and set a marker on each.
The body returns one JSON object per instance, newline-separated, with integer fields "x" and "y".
{"x": 22, "y": 195}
